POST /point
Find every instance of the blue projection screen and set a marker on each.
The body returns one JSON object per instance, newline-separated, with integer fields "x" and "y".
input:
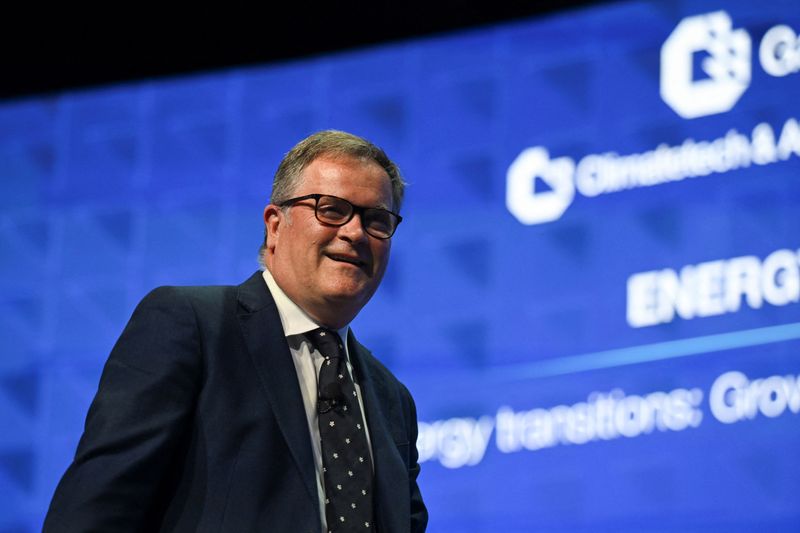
{"x": 593, "y": 295}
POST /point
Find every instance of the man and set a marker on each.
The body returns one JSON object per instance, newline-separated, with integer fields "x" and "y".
{"x": 218, "y": 405}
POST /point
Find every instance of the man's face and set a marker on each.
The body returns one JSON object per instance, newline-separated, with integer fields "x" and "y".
{"x": 330, "y": 272}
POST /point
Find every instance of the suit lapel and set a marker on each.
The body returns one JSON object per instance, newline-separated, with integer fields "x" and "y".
{"x": 266, "y": 343}
{"x": 382, "y": 404}
{"x": 269, "y": 352}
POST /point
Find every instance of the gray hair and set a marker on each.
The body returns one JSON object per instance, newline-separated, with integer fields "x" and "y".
{"x": 334, "y": 143}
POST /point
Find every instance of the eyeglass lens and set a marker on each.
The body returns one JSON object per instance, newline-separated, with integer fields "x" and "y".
{"x": 377, "y": 222}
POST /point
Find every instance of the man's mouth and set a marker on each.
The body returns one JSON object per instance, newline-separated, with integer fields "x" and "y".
{"x": 351, "y": 259}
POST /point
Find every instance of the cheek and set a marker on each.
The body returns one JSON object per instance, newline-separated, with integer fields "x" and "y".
{"x": 381, "y": 255}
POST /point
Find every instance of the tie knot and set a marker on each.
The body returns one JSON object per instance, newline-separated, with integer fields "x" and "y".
{"x": 327, "y": 342}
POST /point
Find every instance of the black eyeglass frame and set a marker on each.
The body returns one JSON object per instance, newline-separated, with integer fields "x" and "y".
{"x": 354, "y": 209}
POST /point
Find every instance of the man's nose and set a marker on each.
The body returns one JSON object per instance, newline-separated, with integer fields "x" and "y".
{"x": 354, "y": 229}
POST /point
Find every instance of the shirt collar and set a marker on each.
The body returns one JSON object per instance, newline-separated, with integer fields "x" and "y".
{"x": 294, "y": 320}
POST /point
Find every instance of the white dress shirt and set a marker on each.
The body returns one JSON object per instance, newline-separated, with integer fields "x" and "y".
{"x": 307, "y": 362}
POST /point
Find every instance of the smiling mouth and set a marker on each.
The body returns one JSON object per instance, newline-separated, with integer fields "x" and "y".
{"x": 348, "y": 259}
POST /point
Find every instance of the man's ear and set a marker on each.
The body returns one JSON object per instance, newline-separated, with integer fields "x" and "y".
{"x": 273, "y": 220}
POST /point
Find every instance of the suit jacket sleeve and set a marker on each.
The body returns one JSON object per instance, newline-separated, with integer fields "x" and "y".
{"x": 137, "y": 422}
{"x": 419, "y": 513}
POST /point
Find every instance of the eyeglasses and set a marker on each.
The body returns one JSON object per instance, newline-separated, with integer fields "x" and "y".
{"x": 379, "y": 223}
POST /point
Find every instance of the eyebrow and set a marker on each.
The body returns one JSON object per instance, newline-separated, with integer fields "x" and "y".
{"x": 379, "y": 206}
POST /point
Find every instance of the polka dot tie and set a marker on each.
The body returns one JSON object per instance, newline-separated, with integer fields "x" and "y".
{"x": 346, "y": 464}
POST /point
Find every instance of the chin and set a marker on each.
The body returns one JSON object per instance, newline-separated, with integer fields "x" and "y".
{"x": 350, "y": 292}
{"x": 349, "y": 295}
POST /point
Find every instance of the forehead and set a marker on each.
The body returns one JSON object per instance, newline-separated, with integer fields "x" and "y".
{"x": 361, "y": 180}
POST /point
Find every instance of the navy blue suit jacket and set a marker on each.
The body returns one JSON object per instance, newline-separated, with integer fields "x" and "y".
{"x": 198, "y": 425}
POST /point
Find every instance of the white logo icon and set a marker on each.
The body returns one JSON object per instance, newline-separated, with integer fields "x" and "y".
{"x": 727, "y": 65}
{"x": 522, "y": 200}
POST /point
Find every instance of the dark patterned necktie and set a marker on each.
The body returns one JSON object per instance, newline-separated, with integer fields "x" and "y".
{"x": 347, "y": 469}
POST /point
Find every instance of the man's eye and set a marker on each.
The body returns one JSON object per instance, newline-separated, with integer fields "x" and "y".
{"x": 381, "y": 224}
{"x": 332, "y": 211}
